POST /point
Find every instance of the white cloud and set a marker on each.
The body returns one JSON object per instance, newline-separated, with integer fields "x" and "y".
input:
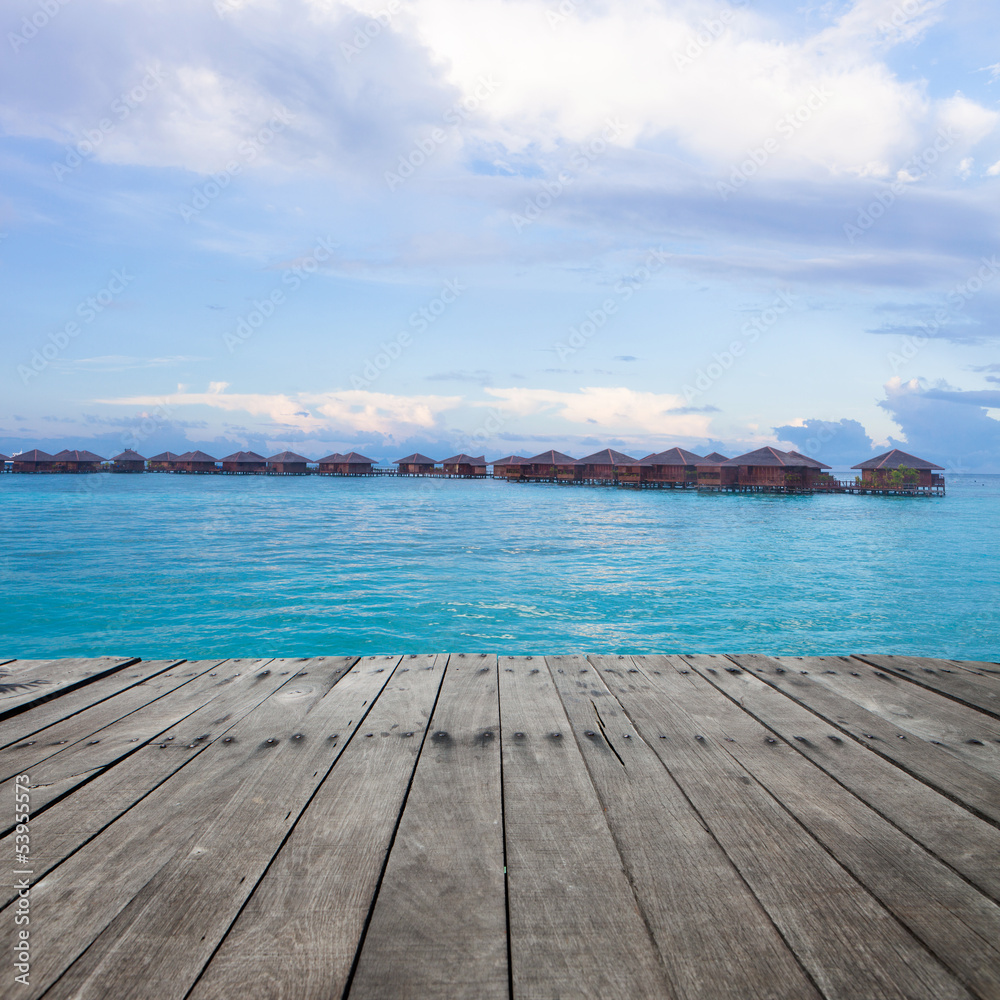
{"x": 351, "y": 411}
{"x": 615, "y": 409}
{"x": 225, "y": 76}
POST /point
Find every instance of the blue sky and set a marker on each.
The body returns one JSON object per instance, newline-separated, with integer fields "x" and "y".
{"x": 501, "y": 226}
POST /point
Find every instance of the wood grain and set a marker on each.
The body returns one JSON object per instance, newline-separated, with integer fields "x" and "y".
{"x": 717, "y": 941}
{"x": 702, "y": 827}
{"x": 951, "y": 832}
{"x": 850, "y": 944}
{"x": 130, "y": 934}
{"x": 69, "y": 824}
{"x": 567, "y": 886}
{"x": 964, "y": 732}
{"x": 439, "y": 926}
{"x": 976, "y": 790}
{"x": 980, "y": 694}
{"x": 953, "y": 920}
{"x": 40, "y": 681}
{"x": 35, "y": 720}
{"x": 299, "y": 933}
{"x": 78, "y": 747}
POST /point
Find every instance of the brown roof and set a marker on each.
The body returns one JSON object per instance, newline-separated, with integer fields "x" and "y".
{"x": 195, "y": 456}
{"x": 165, "y": 456}
{"x": 76, "y": 456}
{"x": 128, "y": 455}
{"x": 714, "y": 456}
{"x": 245, "y": 456}
{"x": 550, "y": 457}
{"x": 607, "y": 457}
{"x": 509, "y": 460}
{"x": 464, "y": 459}
{"x": 894, "y": 459}
{"x": 415, "y": 459}
{"x": 4, "y": 458}
{"x": 35, "y": 455}
{"x": 811, "y": 463}
{"x": 774, "y": 457}
{"x": 353, "y": 458}
{"x": 288, "y": 457}
{"x": 675, "y": 457}
{"x": 330, "y": 459}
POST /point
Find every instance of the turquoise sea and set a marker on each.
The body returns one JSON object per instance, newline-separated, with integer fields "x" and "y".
{"x": 205, "y": 566}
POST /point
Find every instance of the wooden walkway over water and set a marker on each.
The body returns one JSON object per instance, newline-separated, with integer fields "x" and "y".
{"x": 541, "y": 827}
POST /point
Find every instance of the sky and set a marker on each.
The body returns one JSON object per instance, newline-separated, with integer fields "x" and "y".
{"x": 502, "y": 226}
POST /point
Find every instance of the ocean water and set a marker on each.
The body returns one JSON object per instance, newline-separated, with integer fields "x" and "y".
{"x": 211, "y": 566}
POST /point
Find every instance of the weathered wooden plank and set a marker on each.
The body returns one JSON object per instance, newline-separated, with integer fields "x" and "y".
{"x": 965, "y": 784}
{"x": 976, "y": 693}
{"x": 954, "y": 920}
{"x": 986, "y": 669}
{"x": 31, "y": 669}
{"x": 79, "y": 762}
{"x": 27, "y": 724}
{"x": 717, "y": 941}
{"x": 113, "y": 915}
{"x": 851, "y": 945}
{"x": 968, "y": 734}
{"x": 439, "y": 926}
{"x": 299, "y": 933}
{"x": 60, "y": 830}
{"x": 48, "y": 678}
{"x": 987, "y": 672}
{"x": 567, "y": 887}
{"x": 952, "y": 833}
{"x": 97, "y": 719}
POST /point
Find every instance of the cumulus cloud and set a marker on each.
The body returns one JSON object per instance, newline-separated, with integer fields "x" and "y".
{"x": 951, "y": 428}
{"x": 651, "y": 68}
{"x": 353, "y": 411}
{"x": 840, "y": 443}
{"x": 616, "y": 409}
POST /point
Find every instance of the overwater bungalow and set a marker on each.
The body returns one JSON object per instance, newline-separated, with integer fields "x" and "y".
{"x": 244, "y": 462}
{"x": 166, "y": 461}
{"x": 32, "y": 461}
{"x": 714, "y": 456}
{"x": 415, "y": 465}
{"x": 465, "y": 465}
{"x": 3, "y": 462}
{"x": 128, "y": 461}
{"x": 898, "y": 468}
{"x": 604, "y": 466}
{"x": 195, "y": 461}
{"x": 820, "y": 477}
{"x": 287, "y": 463}
{"x": 76, "y": 461}
{"x": 676, "y": 466}
{"x": 549, "y": 465}
{"x": 772, "y": 467}
{"x": 508, "y": 467}
{"x": 351, "y": 464}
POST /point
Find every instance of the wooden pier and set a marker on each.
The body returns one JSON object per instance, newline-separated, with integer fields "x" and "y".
{"x": 468, "y": 826}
